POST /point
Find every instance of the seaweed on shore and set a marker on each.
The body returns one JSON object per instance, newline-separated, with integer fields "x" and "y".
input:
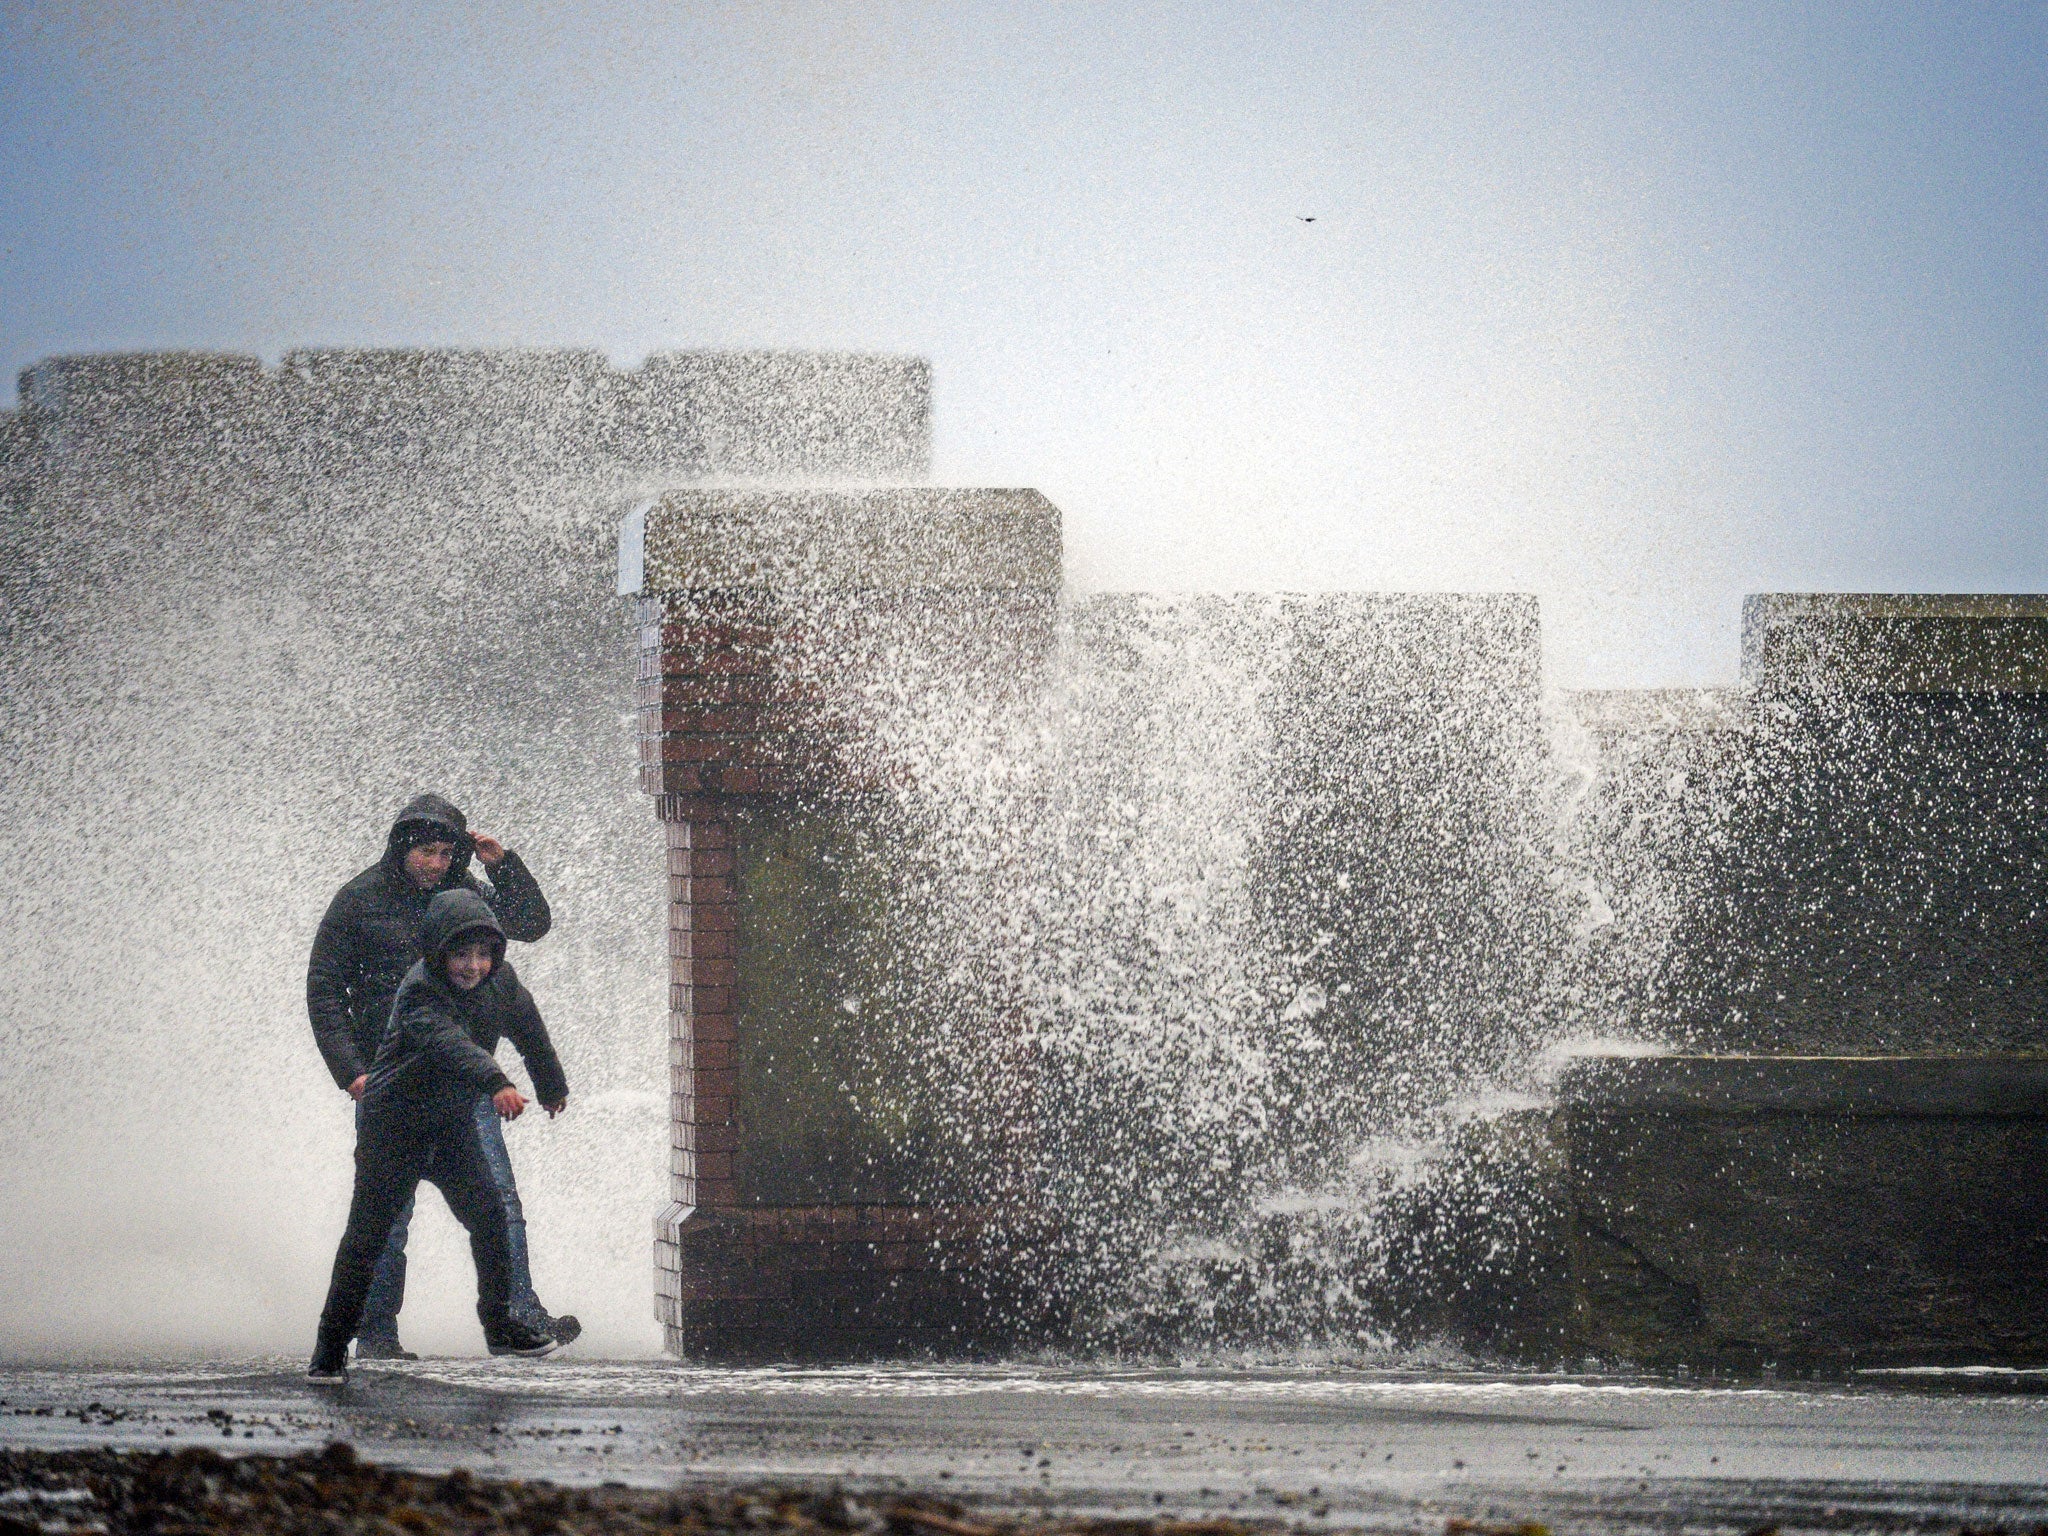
{"x": 199, "y": 1492}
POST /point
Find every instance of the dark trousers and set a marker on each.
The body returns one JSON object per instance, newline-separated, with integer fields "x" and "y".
{"x": 397, "y": 1145}
{"x": 387, "y": 1290}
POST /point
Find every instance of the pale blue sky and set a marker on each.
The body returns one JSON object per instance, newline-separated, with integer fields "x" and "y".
{"x": 1636, "y": 307}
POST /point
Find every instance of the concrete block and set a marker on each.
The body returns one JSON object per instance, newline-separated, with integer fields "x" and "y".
{"x": 1814, "y": 1214}
{"x": 1848, "y": 643}
{"x": 898, "y": 539}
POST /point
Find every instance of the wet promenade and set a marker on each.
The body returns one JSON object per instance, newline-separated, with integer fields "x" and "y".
{"x": 1335, "y": 1448}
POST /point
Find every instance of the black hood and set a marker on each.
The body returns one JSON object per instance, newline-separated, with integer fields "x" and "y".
{"x": 452, "y": 916}
{"x": 443, "y": 816}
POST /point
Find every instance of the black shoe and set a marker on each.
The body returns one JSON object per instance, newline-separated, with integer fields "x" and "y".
{"x": 383, "y": 1349}
{"x": 565, "y": 1329}
{"x": 329, "y": 1367}
{"x": 511, "y": 1338}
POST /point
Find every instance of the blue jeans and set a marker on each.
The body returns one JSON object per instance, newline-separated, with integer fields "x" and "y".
{"x": 387, "y": 1287}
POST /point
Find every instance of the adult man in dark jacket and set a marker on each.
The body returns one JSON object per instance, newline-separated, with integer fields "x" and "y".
{"x": 417, "y": 1121}
{"x": 371, "y": 934}
{"x": 368, "y": 939}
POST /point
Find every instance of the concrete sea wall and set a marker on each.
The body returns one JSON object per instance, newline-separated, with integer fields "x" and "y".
{"x": 1807, "y": 870}
{"x": 1137, "y": 971}
{"x": 1843, "y": 1167}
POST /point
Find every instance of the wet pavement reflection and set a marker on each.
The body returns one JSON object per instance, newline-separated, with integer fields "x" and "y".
{"x": 1352, "y": 1448}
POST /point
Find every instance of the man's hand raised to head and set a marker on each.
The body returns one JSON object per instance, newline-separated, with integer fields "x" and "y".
{"x": 508, "y": 1103}
{"x": 489, "y": 849}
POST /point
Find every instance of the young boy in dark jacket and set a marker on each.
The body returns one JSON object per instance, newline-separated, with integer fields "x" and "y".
{"x": 417, "y": 1122}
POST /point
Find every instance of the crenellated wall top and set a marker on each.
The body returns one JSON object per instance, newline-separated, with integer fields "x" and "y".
{"x": 730, "y": 412}
{"x": 920, "y": 538}
{"x": 1849, "y": 643}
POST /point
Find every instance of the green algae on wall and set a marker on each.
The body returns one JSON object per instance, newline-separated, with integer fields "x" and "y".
{"x": 828, "y": 1063}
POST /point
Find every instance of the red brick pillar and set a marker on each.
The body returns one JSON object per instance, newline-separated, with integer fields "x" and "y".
{"x": 716, "y": 728}
{"x": 774, "y": 627}
{"x": 702, "y": 918}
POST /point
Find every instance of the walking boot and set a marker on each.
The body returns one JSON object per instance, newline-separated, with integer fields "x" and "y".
{"x": 515, "y": 1338}
{"x": 563, "y": 1330}
{"x": 330, "y": 1365}
{"x": 379, "y": 1347}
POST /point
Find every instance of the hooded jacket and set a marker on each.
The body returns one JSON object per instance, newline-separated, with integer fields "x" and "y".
{"x": 371, "y": 933}
{"x": 505, "y": 1010}
{"x": 429, "y": 1055}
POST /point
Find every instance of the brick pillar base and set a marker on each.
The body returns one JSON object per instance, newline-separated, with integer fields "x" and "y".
{"x": 825, "y": 1282}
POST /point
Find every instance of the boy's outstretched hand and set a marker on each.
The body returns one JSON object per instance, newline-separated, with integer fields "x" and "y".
{"x": 508, "y": 1103}
{"x": 557, "y": 1107}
